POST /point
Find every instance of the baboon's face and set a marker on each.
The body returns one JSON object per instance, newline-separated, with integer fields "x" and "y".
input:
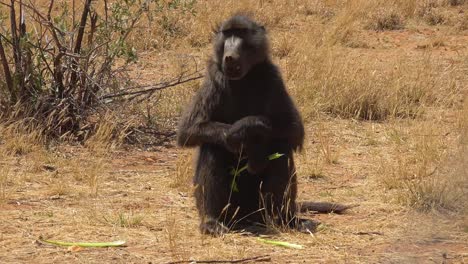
{"x": 240, "y": 45}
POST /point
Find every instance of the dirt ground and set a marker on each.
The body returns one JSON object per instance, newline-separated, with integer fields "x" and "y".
{"x": 143, "y": 195}
{"x": 138, "y": 203}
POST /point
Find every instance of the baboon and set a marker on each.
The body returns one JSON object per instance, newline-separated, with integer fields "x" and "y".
{"x": 243, "y": 112}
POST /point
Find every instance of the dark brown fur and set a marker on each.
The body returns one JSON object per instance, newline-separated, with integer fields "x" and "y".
{"x": 253, "y": 115}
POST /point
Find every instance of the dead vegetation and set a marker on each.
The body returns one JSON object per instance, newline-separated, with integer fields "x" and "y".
{"x": 382, "y": 86}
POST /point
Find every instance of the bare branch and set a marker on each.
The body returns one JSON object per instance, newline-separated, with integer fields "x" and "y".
{"x": 77, "y": 49}
{"x": 5, "y": 4}
{"x": 153, "y": 88}
{"x": 6, "y": 68}
{"x": 14, "y": 37}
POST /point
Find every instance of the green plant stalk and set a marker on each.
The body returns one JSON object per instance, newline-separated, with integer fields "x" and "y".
{"x": 280, "y": 243}
{"x": 118, "y": 243}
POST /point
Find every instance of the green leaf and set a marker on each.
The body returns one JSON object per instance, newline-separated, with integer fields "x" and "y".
{"x": 280, "y": 243}
{"x": 118, "y": 243}
{"x": 275, "y": 156}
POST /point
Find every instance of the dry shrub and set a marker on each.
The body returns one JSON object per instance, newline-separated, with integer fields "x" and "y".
{"x": 434, "y": 17}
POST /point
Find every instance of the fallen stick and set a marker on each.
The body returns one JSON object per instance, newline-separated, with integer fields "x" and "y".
{"x": 265, "y": 258}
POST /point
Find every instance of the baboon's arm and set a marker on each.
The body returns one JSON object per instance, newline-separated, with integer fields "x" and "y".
{"x": 199, "y": 132}
{"x": 197, "y": 126}
{"x": 285, "y": 119}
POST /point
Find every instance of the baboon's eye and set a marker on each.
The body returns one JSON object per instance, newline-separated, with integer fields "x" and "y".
{"x": 235, "y": 31}
{"x": 248, "y": 46}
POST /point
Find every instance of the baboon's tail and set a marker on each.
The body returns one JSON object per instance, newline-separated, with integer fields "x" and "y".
{"x": 323, "y": 207}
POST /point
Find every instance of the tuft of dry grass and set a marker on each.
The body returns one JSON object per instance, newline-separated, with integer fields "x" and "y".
{"x": 434, "y": 17}
{"x": 124, "y": 219}
{"x": 107, "y": 134}
{"x": 385, "y": 18}
{"x": 424, "y": 173}
{"x": 283, "y": 46}
{"x": 4, "y": 183}
{"x": 20, "y": 138}
{"x": 462, "y": 24}
{"x": 330, "y": 155}
{"x": 310, "y": 165}
{"x": 172, "y": 230}
{"x": 184, "y": 171}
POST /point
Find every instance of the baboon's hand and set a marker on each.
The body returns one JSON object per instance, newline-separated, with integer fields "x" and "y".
{"x": 246, "y": 130}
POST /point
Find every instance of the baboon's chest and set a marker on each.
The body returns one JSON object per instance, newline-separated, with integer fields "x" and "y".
{"x": 244, "y": 104}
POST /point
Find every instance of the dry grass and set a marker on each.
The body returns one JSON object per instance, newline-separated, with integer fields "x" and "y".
{"x": 108, "y": 134}
{"x": 386, "y": 19}
{"x": 4, "y": 182}
{"x": 420, "y": 176}
{"x": 372, "y": 90}
{"x": 123, "y": 219}
{"x": 184, "y": 171}
{"x": 385, "y": 124}
{"x": 20, "y": 138}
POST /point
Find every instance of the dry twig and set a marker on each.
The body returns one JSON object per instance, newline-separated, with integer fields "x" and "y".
{"x": 265, "y": 258}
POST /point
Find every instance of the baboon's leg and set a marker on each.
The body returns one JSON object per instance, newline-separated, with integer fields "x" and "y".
{"x": 279, "y": 190}
{"x": 212, "y": 190}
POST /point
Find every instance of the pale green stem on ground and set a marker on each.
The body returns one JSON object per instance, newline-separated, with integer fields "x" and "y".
{"x": 280, "y": 243}
{"x": 117, "y": 243}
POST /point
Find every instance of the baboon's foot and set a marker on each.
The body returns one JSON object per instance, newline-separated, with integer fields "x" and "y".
{"x": 213, "y": 227}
